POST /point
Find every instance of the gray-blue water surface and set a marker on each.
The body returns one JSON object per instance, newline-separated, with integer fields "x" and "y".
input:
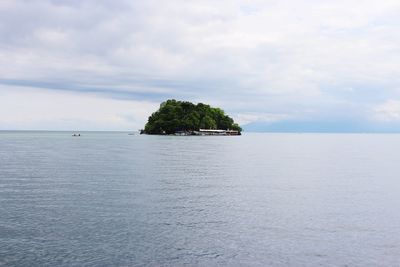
{"x": 113, "y": 199}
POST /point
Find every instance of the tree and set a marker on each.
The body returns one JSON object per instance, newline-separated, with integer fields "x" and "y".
{"x": 173, "y": 116}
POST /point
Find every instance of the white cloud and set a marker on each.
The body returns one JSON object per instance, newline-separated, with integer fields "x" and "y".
{"x": 388, "y": 111}
{"x": 29, "y": 108}
{"x": 254, "y": 57}
{"x": 245, "y": 118}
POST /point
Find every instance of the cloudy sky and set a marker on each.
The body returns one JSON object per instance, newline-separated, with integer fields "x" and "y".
{"x": 294, "y": 65}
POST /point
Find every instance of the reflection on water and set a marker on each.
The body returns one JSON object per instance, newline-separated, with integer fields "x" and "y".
{"x": 114, "y": 199}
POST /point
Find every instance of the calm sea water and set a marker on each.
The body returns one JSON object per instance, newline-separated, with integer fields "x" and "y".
{"x": 113, "y": 199}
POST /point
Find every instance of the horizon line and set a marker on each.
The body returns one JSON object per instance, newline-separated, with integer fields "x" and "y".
{"x": 252, "y": 132}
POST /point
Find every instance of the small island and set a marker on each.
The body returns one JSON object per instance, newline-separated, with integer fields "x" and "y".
{"x": 185, "y": 118}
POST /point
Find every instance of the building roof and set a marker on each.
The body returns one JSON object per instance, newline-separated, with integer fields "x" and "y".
{"x": 212, "y": 130}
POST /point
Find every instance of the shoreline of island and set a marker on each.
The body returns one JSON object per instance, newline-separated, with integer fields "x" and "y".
{"x": 201, "y": 132}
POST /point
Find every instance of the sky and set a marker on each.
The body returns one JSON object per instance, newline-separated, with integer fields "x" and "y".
{"x": 287, "y": 65}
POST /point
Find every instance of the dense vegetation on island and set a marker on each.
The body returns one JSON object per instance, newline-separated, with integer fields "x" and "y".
{"x": 174, "y": 116}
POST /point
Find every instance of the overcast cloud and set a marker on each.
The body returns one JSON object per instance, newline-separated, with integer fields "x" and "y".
{"x": 107, "y": 64}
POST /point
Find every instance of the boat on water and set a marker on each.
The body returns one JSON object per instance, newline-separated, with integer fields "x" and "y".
{"x": 76, "y": 135}
{"x": 183, "y": 133}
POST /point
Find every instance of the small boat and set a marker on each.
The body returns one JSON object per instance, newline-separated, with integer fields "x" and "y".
{"x": 76, "y": 135}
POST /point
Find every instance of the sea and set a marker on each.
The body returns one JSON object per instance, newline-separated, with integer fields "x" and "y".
{"x": 270, "y": 199}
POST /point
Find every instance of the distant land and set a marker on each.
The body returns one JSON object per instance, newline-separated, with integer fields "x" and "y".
{"x": 321, "y": 126}
{"x": 186, "y": 118}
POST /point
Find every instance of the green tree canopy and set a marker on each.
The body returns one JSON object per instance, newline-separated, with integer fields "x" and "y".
{"x": 174, "y": 116}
